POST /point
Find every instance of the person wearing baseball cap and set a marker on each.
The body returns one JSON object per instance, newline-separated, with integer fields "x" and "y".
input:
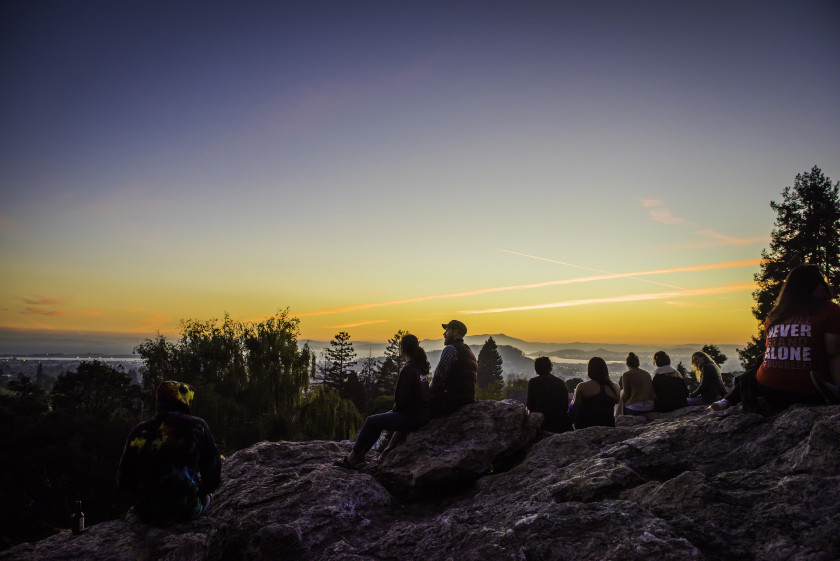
{"x": 453, "y": 384}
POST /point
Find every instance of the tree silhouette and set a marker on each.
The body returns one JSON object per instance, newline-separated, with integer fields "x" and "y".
{"x": 98, "y": 390}
{"x": 341, "y": 358}
{"x": 326, "y": 416}
{"x": 807, "y": 230}
{"x": 250, "y": 378}
{"x": 490, "y": 374}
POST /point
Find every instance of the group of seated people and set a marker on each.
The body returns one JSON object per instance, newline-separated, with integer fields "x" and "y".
{"x": 597, "y": 401}
{"x": 801, "y": 365}
{"x": 170, "y": 464}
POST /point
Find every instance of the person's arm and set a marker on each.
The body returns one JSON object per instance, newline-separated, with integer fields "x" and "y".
{"x": 447, "y": 357}
{"x": 616, "y": 392}
{"x": 625, "y": 387}
{"x": 402, "y": 394}
{"x": 529, "y": 402}
{"x": 699, "y": 389}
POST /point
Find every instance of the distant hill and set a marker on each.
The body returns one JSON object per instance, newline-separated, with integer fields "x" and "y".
{"x": 517, "y": 354}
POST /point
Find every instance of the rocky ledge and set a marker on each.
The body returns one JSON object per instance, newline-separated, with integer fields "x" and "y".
{"x": 483, "y": 484}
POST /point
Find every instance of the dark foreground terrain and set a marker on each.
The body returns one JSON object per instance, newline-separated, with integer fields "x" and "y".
{"x": 484, "y": 484}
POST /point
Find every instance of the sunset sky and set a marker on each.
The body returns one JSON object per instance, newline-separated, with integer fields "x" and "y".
{"x": 556, "y": 171}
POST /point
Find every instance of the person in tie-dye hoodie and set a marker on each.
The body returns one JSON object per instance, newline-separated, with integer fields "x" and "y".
{"x": 170, "y": 464}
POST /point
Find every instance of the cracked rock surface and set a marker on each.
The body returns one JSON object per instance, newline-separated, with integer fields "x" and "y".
{"x": 483, "y": 484}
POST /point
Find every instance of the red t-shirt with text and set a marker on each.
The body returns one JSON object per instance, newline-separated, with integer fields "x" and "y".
{"x": 795, "y": 346}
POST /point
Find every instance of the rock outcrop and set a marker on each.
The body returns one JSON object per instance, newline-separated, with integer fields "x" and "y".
{"x": 726, "y": 485}
{"x": 459, "y": 448}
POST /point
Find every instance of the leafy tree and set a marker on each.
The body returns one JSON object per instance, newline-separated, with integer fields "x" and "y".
{"x": 807, "y": 230}
{"x": 367, "y": 375}
{"x": 389, "y": 371}
{"x": 160, "y": 362}
{"x": 250, "y": 378}
{"x": 52, "y": 458}
{"x": 714, "y": 353}
{"x": 98, "y": 390}
{"x": 341, "y": 358}
{"x": 29, "y": 399}
{"x": 490, "y": 374}
{"x": 516, "y": 388}
{"x": 326, "y": 416}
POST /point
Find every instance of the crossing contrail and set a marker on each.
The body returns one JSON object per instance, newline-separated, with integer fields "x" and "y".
{"x": 560, "y": 282}
{"x": 623, "y": 298}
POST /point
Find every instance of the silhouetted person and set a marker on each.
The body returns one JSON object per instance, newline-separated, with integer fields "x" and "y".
{"x": 711, "y": 386}
{"x": 549, "y": 395}
{"x": 668, "y": 385}
{"x": 802, "y": 359}
{"x": 170, "y": 465}
{"x": 637, "y": 388}
{"x": 453, "y": 384}
{"x": 411, "y": 404}
{"x": 594, "y": 400}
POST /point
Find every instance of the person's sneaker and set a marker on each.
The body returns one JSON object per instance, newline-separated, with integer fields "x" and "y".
{"x": 720, "y": 405}
{"x": 830, "y": 392}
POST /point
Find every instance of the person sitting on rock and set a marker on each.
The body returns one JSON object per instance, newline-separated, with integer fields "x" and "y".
{"x": 411, "y": 404}
{"x": 594, "y": 400}
{"x": 668, "y": 385}
{"x": 453, "y": 384}
{"x": 802, "y": 359}
{"x": 637, "y": 393}
{"x": 170, "y": 464}
{"x": 549, "y": 395}
{"x": 711, "y": 386}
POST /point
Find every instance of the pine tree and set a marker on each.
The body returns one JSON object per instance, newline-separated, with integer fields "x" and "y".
{"x": 341, "y": 358}
{"x": 370, "y": 369}
{"x": 490, "y": 374}
{"x": 807, "y": 230}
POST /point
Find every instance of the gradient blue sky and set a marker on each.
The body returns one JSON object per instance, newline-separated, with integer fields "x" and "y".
{"x": 169, "y": 160}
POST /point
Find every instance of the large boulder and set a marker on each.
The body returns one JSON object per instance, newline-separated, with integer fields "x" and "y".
{"x": 718, "y": 486}
{"x": 459, "y": 447}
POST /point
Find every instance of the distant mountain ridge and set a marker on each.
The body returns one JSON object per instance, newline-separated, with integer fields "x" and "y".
{"x": 517, "y": 354}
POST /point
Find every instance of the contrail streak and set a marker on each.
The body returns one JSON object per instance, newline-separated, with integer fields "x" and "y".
{"x": 624, "y": 298}
{"x": 588, "y": 268}
{"x": 478, "y": 291}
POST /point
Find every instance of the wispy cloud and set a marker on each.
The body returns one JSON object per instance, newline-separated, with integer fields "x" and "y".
{"x": 42, "y": 301}
{"x": 357, "y": 324}
{"x": 716, "y": 239}
{"x": 43, "y": 312}
{"x": 624, "y": 298}
{"x": 38, "y": 311}
{"x": 479, "y": 291}
{"x": 659, "y": 212}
